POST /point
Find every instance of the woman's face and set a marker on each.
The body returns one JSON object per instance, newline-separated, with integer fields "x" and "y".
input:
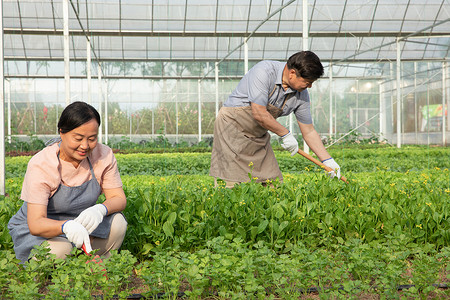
{"x": 79, "y": 142}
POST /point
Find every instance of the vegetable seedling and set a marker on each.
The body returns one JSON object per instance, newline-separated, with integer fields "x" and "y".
{"x": 97, "y": 260}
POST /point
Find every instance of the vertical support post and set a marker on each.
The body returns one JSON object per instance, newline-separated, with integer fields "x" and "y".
{"x": 100, "y": 98}
{"x": 447, "y": 93}
{"x": 444, "y": 97}
{"x": 382, "y": 113}
{"x": 176, "y": 112}
{"x": 415, "y": 103}
{"x": 199, "y": 112}
{"x": 305, "y": 42}
{"x": 428, "y": 108}
{"x": 399, "y": 96}
{"x": 130, "y": 97}
{"x": 153, "y": 113}
{"x": 9, "y": 109}
{"x": 34, "y": 107}
{"x": 2, "y": 107}
{"x": 331, "y": 99}
{"x": 357, "y": 104}
{"x": 88, "y": 70}
{"x": 245, "y": 56}
{"x": 216, "y": 69}
{"x": 106, "y": 113}
{"x": 305, "y": 24}
{"x": 66, "y": 50}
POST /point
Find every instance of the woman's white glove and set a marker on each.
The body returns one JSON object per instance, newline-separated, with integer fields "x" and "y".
{"x": 289, "y": 143}
{"x": 77, "y": 234}
{"x": 333, "y": 165}
{"x": 92, "y": 216}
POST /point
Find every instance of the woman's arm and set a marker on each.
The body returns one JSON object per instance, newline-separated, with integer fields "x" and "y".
{"x": 115, "y": 200}
{"x": 39, "y": 224}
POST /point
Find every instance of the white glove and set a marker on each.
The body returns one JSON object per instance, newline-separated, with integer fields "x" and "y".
{"x": 289, "y": 143}
{"x": 332, "y": 164}
{"x": 77, "y": 234}
{"x": 92, "y": 216}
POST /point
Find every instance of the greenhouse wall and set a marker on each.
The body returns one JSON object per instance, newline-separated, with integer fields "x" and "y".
{"x": 150, "y": 99}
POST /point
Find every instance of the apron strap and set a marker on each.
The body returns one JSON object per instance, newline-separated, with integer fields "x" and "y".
{"x": 91, "y": 168}
{"x": 286, "y": 98}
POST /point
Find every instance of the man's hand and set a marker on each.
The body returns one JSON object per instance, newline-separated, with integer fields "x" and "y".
{"x": 77, "y": 234}
{"x": 289, "y": 143}
{"x": 92, "y": 216}
{"x": 333, "y": 165}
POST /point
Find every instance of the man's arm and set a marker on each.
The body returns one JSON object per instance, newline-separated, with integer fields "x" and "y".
{"x": 266, "y": 120}
{"x": 313, "y": 140}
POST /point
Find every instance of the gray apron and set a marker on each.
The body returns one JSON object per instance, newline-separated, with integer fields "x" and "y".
{"x": 65, "y": 204}
{"x": 239, "y": 141}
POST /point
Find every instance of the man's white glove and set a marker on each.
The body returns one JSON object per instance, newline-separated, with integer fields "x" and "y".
{"x": 92, "y": 216}
{"x": 77, "y": 234}
{"x": 289, "y": 143}
{"x": 333, "y": 165}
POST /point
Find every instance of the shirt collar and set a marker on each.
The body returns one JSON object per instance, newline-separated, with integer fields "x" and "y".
{"x": 280, "y": 77}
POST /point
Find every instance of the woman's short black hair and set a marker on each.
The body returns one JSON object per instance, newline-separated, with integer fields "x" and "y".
{"x": 306, "y": 64}
{"x": 75, "y": 115}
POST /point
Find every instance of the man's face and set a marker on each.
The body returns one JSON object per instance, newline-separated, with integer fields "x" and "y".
{"x": 298, "y": 83}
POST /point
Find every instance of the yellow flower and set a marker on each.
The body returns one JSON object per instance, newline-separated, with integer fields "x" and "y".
{"x": 419, "y": 226}
{"x": 428, "y": 203}
{"x": 331, "y": 228}
{"x": 255, "y": 178}
{"x": 157, "y": 243}
{"x": 250, "y": 164}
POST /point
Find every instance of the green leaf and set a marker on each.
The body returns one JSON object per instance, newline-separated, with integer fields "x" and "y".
{"x": 329, "y": 219}
{"x": 172, "y": 217}
{"x": 262, "y": 226}
{"x": 168, "y": 229}
{"x": 253, "y": 232}
{"x": 283, "y": 225}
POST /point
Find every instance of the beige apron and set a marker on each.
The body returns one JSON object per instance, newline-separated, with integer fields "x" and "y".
{"x": 241, "y": 146}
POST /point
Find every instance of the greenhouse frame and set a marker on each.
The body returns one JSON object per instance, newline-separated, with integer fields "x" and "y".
{"x": 164, "y": 68}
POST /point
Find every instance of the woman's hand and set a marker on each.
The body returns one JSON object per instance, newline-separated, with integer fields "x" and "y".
{"x": 77, "y": 234}
{"x": 92, "y": 216}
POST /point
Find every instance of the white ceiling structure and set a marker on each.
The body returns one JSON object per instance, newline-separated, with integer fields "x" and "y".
{"x": 338, "y": 30}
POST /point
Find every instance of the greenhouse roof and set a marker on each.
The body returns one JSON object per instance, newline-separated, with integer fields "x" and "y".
{"x": 351, "y": 30}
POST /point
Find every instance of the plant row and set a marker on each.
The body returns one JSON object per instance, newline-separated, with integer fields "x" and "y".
{"x": 350, "y": 160}
{"x": 232, "y": 269}
{"x": 182, "y": 212}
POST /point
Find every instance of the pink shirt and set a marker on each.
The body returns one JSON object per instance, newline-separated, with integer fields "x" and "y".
{"x": 45, "y": 172}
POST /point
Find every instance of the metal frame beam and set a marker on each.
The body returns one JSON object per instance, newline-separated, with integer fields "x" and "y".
{"x": 215, "y": 33}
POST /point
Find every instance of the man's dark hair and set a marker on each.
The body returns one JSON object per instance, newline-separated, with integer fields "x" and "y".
{"x": 75, "y": 115}
{"x": 306, "y": 64}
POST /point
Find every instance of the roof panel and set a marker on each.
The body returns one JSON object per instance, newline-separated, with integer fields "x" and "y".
{"x": 169, "y": 29}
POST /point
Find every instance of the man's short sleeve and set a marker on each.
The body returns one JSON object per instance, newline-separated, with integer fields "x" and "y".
{"x": 256, "y": 85}
{"x": 303, "y": 111}
{"x": 259, "y": 85}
